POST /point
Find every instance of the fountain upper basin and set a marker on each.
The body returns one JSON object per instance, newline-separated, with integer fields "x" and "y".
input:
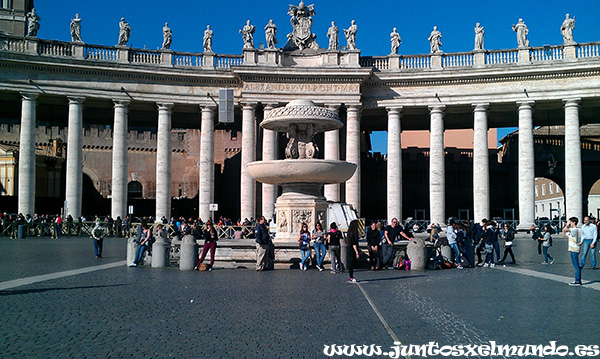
{"x": 301, "y": 171}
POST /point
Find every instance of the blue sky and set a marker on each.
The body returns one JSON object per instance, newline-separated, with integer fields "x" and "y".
{"x": 414, "y": 20}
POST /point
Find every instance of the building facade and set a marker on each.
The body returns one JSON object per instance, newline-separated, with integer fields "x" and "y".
{"x": 112, "y": 91}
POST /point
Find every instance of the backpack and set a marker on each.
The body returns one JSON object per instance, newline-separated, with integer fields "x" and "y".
{"x": 98, "y": 233}
{"x": 399, "y": 259}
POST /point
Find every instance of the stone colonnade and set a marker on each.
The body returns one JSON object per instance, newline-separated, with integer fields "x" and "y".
{"x": 481, "y": 177}
{"x": 481, "y": 189}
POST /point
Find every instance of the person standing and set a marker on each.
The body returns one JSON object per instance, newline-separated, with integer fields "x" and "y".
{"x": 546, "y": 245}
{"x": 304, "y": 242}
{"x": 589, "y": 235}
{"x": 490, "y": 238}
{"x": 333, "y": 240}
{"x": 318, "y": 236}
{"x": 509, "y": 236}
{"x": 571, "y": 231}
{"x": 210, "y": 243}
{"x": 373, "y": 238}
{"x": 261, "y": 233}
{"x": 98, "y": 234}
{"x": 451, "y": 235}
{"x": 353, "y": 251}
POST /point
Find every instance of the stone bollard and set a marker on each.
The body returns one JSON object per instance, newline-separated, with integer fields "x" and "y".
{"x": 189, "y": 253}
{"x": 447, "y": 253}
{"x": 344, "y": 255}
{"x": 131, "y": 248}
{"x": 417, "y": 254}
{"x": 160, "y": 252}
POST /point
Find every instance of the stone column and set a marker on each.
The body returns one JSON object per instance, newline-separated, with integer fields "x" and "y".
{"x": 207, "y": 162}
{"x": 269, "y": 191}
{"x": 248, "y": 185}
{"x": 573, "y": 169}
{"x": 74, "y": 157}
{"x": 332, "y": 152}
{"x": 481, "y": 164}
{"x": 437, "y": 166}
{"x": 394, "y": 164}
{"x": 26, "y": 192}
{"x": 526, "y": 166}
{"x": 119, "y": 161}
{"x": 163, "y": 161}
{"x": 353, "y": 155}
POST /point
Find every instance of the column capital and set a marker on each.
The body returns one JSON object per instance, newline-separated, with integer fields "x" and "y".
{"x": 572, "y": 102}
{"x": 209, "y": 108}
{"x": 437, "y": 109}
{"x": 525, "y": 104}
{"x": 76, "y": 100}
{"x": 121, "y": 104}
{"x": 394, "y": 109}
{"x": 30, "y": 96}
{"x": 165, "y": 106}
{"x": 480, "y": 107}
{"x": 249, "y": 104}
{"x": 353, "y": 108}
{"x": 270, "y": 105}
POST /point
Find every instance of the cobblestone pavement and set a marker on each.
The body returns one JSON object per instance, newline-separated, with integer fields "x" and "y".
{"x": 239, "y": 313}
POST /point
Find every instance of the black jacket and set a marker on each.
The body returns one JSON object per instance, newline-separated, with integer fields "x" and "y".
{"x": 261, "y": 233}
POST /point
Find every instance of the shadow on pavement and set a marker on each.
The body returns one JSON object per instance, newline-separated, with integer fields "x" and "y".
{"x": 42, "y": 290}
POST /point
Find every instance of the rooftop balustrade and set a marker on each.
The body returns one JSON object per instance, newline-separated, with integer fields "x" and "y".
{"x": 389, "y": 63}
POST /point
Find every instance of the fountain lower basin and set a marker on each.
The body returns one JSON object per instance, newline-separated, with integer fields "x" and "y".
{"x": 301, "y": 171}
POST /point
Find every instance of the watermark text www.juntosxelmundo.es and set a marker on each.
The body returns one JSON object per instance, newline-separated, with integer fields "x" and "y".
{"x": 490, "y": 349}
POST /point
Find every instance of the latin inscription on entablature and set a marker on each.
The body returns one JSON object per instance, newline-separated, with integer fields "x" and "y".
{"x": 301, "y": 88}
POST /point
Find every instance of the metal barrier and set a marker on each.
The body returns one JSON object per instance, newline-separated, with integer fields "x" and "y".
{"x": 38, "y": 229}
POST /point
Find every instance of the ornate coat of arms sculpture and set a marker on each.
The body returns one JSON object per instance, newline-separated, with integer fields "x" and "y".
{"x": 301, "y": 37}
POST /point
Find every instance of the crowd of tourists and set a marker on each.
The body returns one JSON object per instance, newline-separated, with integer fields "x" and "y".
{"x": 483, "y": 240}
{"x": 471, "y": 244}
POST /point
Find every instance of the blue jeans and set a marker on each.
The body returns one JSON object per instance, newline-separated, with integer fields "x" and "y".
{"x": 575, "y": 261}
{"x": 320, "y": 252}
{"x": 305, "y": 255}
{"x": 586, "y": 248}
{"x": 546, "y": 255}
{"x": 139, "y": 254}
{"x": 388, "y": 253}
{"x": 98, "y": 247}
{"x": 454, "y": 247}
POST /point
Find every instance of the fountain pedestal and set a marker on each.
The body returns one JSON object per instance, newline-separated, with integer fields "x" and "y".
{"x": 299, "y": 203}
